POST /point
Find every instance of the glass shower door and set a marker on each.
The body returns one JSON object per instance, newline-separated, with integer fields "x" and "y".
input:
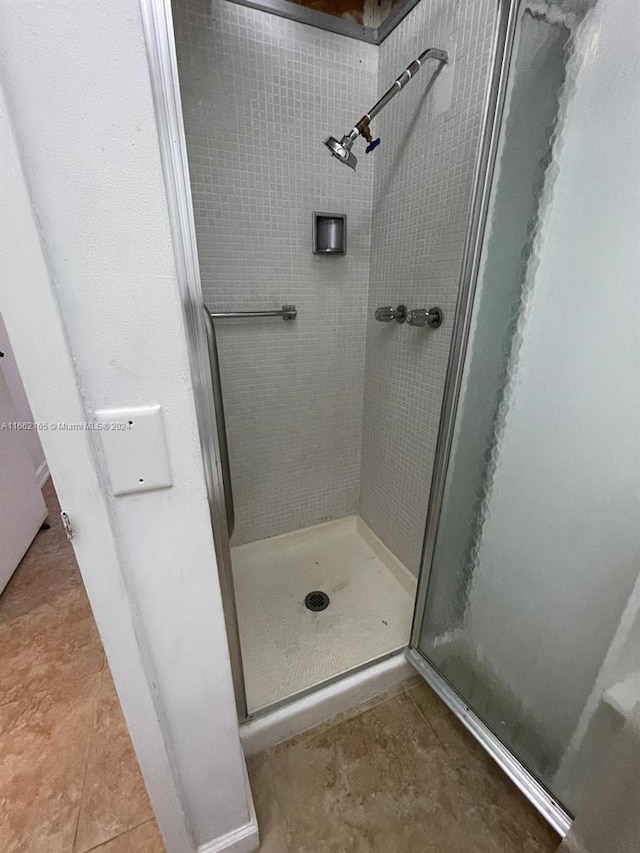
{"x": 534, "y": 575}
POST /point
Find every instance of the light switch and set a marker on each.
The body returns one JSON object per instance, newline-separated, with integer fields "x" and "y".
{"x": 135, "y": 449}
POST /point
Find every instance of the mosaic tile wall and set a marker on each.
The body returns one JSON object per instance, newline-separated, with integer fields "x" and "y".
{"x": 260, "y": 94}
{"x": 422, "y": 189}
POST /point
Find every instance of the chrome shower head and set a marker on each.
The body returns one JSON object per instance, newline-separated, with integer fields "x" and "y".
{"x": 342, "y": 150}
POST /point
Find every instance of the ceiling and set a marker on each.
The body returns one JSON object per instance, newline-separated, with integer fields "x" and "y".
{"x": 366, "y": 20}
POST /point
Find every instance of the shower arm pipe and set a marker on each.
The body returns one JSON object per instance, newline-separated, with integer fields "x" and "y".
{"x": 362, "y": 126}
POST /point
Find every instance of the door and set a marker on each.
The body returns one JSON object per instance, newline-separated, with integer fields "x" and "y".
{"x": 531, "y": 555}
{"x": 22, "y": 507}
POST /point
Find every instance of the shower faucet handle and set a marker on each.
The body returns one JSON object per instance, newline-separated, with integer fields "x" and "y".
{"x": 431, "y": 317}
{"x": 386, "y": 314}
{"x": 389, "y": 313}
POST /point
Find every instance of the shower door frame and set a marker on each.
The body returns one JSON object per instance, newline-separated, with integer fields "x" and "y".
{"x": 508, "y": 12}
{"x": 157, "y": 24}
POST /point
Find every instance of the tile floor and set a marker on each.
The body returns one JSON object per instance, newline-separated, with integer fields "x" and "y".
{"x": 286, "y": 647}
{"x": 397, "y": 776}
{"x": 69, "y": 779}
{"x": 402, "y": 776}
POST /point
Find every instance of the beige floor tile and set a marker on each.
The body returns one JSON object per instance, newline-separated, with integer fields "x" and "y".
{"x": 273, "y": 837}
{"x": 67, "y": 762}
{"x": 379, "y": 782}
{"x": 427, "y": 701}
{"x": 53, "y": 643}
{"x": 44, "y": 742}
{"x": 401, "y": 777}
{"x": 512, "y": 821}
{"x": 342, "y": 717}
{"x": 47, "y": 631}
{"x": 142, "y": 839}
{"x": 114, "y": 797}
{"x": 413, "y": 681}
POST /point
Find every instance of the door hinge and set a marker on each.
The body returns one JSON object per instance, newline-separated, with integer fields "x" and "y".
{"x": 68, "y": 529}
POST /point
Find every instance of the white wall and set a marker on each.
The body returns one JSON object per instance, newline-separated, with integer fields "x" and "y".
{"x": 580, "y": 775}
{"x": 260, "y": 94}
{"x": 79, "y": 95}
{"x": 424, "y": 170}
{"x": 35, "y": 312}
{"x": 560, "y": 547}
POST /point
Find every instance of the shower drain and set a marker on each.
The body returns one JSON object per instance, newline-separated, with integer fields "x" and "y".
{"x": 316, "y": 600}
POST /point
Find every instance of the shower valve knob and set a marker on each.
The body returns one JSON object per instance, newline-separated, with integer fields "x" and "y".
{"x": 431, "y": 317}
{"x": 389, "y": 313}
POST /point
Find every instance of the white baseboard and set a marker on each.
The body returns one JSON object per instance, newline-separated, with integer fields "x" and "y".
{"x": 245, "y": 839}
{"x": 42, "y": 473}
{"x": 323, "y": 704}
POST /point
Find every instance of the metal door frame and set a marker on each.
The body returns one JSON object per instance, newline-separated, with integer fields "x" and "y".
{"x": 502, "y": 51}
{"x": 157, "y": 22}
{"x": 542, "y": 799}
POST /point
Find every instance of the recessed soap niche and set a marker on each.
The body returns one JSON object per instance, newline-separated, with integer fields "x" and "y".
{"x": 329, "y": 233}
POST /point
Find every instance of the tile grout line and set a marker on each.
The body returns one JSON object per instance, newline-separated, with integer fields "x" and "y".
{"x": 442, "y": 745}
{"x": 119, "y": 835}
{"x": 86, "y": 762}
{"x": 34, "y": 694}
{"x": 457, "y": 771}
{"x": 316, "y": 730}
{"x": 284, "y": 824}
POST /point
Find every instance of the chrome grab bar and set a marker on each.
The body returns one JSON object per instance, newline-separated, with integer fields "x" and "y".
{"x": 216, "y": 389}
{"x": 287, "y": 312}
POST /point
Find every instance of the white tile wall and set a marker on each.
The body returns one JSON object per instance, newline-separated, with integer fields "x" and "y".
{"x": 422, "y": 189}
{"x": 260, "y": 94}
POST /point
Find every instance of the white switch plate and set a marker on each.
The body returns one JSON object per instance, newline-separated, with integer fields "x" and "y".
{"x": 135, "y": 449}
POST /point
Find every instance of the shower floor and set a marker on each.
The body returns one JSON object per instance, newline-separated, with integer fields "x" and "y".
{"x": 287, "y": 648}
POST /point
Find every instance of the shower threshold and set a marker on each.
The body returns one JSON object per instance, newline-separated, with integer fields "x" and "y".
{"x": 286, "y": 648}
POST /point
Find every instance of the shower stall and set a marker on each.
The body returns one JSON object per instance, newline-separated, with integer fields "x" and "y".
{"x": 321, "y": 511}
{"x": 418, "y": 448}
